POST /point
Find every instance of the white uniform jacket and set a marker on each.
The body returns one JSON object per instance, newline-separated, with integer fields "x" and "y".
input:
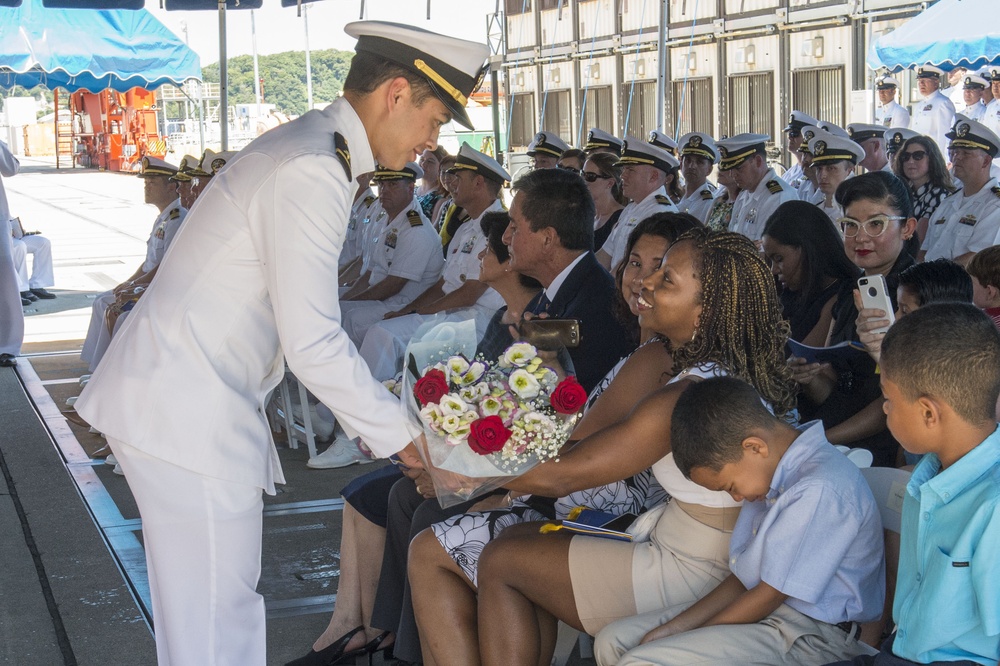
{"x": 699, "y": 203}
{"x": 357, "y": 223}
{"x": 165, "y": 227}
{"x": 964, "y": 224}
{"x": 892, "y": 114}
{"x": 250, "y": 278}
{"x": 633, "y": 214}
{"x": 934, "y": 116}
{"x": 751, "y": 209}
{"x": 407, "y": 248}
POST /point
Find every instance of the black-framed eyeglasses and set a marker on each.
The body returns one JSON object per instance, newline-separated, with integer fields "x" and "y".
{"x": 592, "y": 177}
{"x": 916, "y": 156}
{"x": 873, "y": 227}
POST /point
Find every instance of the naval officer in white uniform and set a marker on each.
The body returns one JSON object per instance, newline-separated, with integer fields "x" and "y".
{"x": 698, "y": 158}
{"x": 11, "y": 314}
{"x": 934, "y": 115}
{"x": 762, "y": 191}
{"x": 245, "y": 287}
{"x": 889, "y": 112}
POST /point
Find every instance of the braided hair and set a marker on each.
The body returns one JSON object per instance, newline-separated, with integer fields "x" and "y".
{"x": 741, "y": 328}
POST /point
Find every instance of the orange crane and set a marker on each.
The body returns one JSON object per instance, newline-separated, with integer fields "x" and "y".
{"x": 114, "y": 131}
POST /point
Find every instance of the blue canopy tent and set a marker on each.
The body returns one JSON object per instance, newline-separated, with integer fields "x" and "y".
{"x": 950, "y": 34}
{"x": 90, "y": 50}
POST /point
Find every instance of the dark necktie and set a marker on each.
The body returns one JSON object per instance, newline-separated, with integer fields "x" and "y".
{"x": 543, "y": 304}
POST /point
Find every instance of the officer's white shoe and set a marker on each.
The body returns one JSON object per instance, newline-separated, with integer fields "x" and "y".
{"x": 118, "y": 470}
{"x": 342, "y": 453}
{"x": 111, "y": 460}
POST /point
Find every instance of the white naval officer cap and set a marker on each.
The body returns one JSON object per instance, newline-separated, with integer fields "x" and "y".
{"x": 203, "y": 169}
{"x": 864, "y": 131}
{"x": 411, "y": 171}
{"x": 797, "y": 120}
{"x": 828, "y": 147}
{"x": 658, "y": 138}
{"x": 968, "y": 133}
{"x": 929, "y": 72}
{"x": 974, "y": 82}
{"x": 809, "y": 132}
{"x": 151, "y": 167}
{"x": 183, "y": 174}
{"x": 547, "y": 143}
{"x": 700, "y": 144}
{"x": 994, "y": 73}
{"x": 736, "y": 150}
{"x": 453, "y": 67}
{"x": 885, "y": 82}
{"x": 836, "y": 130}
{"x": 220, "y": 160}
{"x": 638, "y": 152}
{"x": 598, "y": 139}
{"x": 470, "y": 159}
{"x": 895, "y": 137}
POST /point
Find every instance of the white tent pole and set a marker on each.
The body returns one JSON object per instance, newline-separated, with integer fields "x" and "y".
{"x": 223, "y": 80}
{"x": 309, "y": 76}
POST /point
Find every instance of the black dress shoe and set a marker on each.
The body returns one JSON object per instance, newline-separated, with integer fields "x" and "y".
{"x": 30, "y": 296}
{"x": 7, "y": 360}
{"x": 25, "y": 302}
{"x": 42, "y": 293}
{"x": 332, "y": 653}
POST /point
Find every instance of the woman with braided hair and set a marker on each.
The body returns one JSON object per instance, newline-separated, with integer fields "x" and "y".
{"x": 714, "y": 302}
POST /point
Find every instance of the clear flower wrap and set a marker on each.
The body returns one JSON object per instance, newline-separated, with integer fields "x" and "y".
{"x": 485, "y": 420}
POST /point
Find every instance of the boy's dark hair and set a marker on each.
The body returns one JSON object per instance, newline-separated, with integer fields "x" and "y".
{"x": 985, "y": 267}
{"x": 710, "y": 421}
{"x": 949, "y": 351}
{"x": 368, "y": 71}
{"x": 937, "y": 281}
{"x": 559, "y": 199}
{"x": 494, "y": 224}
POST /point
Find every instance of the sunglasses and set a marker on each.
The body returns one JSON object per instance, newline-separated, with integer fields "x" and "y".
{"x": 592, "y": 177}
{"x": 568, "y": 168}
{"x": 916, "y": 155}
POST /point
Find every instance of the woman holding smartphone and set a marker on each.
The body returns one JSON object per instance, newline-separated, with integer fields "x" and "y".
{"x": 878, "y": 221}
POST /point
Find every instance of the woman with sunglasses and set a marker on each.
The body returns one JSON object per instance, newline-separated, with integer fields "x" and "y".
{"x": 921, "y": 166}
{"x": 604, "y": 181}
{"x": 878, "y": 221}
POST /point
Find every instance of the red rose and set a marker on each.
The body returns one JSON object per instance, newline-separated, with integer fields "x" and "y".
{"x": 430, "y": 388}
{"x": 569, "y": 396}
{"x": 488, "y": 435}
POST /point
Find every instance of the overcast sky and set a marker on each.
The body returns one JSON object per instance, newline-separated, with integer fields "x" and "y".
{"x": 279, "y": 29}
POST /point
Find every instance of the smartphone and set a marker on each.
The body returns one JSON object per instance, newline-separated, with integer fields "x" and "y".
{"x": 875, "y": 296}
{"x": 551, "y": 334}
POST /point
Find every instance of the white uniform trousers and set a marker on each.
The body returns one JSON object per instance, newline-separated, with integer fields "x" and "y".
{"x": 359, "y": 316}
{"x": 11, "y": 312}
{"x": 786, "y": 636}
{"x": 203, "y": 543}
{"x": 40, "y": 250}
{"x": 98, "y": 337}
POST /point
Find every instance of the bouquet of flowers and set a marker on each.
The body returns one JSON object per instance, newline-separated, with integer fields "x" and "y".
{"x": 486, "y": 420}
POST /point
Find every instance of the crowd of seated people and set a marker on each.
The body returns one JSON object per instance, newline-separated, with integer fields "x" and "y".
{"x": 699, "y": 415}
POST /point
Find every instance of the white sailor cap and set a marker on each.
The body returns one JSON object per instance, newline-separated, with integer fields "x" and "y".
{"x": 736, "y": 150}
{"x": 797, "y": 121}
{"x": 154, "y": 166}
{"x": 637, "y": 152}
{"x": 183, "y": 174}
{"x": 836, "y": 130}
{"x": 994, "y": 73}
{"x": 828, "y": 147}
{"x": 203, "y": 169}
{"x": 863, "y": 131}
{"x": 895, "y": 137}
{"x": 885, "y": 82}
{"x": 598, "y": 139}
{"x": 411, "y": 171}
{"x": 547, "y": 143}
{"x": 453, "y": 67}
{"x": 220, "y": 160}
{"x": 929, "y": 72}
{"x": 470, "y": 159}
{"x": 969, "y": 134}
{"x": 699, "y": 143}
{"x": 974, "y": 82}
{"x": 660, "y": 139}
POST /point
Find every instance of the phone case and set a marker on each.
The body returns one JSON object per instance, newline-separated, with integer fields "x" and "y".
{"x": 551, "y": 334}
{"x": 875, "y": 296}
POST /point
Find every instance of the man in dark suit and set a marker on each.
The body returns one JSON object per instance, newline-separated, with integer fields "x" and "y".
{"x": 551, "y": 238}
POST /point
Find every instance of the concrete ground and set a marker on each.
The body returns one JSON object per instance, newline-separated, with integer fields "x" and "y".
{"x": 72, "y": 585}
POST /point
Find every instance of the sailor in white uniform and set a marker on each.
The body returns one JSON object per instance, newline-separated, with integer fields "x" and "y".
{"x": 973, "y": 86}
{"x": 969, "y": 220}
{"x": 246, "y": 287}
{"x": 545, "y": 150}
{"x": 698, "y": 158}
{"x": 834, "y": 159}
{"x": 794, "y": 175}
{"x": 889, "y": 112}
{"x": 646, "y": 169}
{"x": 762, "y": 191}
{"x": 11, "y": 314}
{"x": 871, "y": 138}
{"x": 933, "y": 116}
{"x": 599, "y": 141}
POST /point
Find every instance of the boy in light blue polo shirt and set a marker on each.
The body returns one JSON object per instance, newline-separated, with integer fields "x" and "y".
{"x": 805, "y": 555}
{"x": 940, "y": 372}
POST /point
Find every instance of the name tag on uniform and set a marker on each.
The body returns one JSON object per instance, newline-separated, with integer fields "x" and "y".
{"x": 968, "y": 220}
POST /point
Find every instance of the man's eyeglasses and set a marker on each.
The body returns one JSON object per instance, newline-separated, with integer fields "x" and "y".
{"x": 873, "y": 227}
{"x": 566, "y": 167}
{"x": 916, "y": 156}
{"x": 592, "y": 177}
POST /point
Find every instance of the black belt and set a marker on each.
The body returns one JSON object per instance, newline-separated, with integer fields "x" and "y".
{"x": 852, "y": 629}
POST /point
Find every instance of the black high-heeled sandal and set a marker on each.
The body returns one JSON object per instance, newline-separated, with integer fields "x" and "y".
{"x": 331, "y": 654}
{"x": 369, "y": 650}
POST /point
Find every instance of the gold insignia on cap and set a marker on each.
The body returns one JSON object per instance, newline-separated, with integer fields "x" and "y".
{"x": 962, "y": 129}
{"x": 431, "y": 74}
{"x": 791, "y": 118}
{"x": 819, "y": 148}
{"x": 694, "y": 141}
{"x": 809, "y": 134}
{"x": 652, "y": 136}
{"x": 590, "y": 136}
{"x": 539, "y": 138}
{"x": 897, "y": 138}
{"x": 217, "y": 164}
{"x": 968, "y": 80}
{"x": 723, "y": 152}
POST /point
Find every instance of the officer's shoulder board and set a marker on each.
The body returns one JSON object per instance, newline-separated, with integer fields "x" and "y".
{"x": 343, "y": 154}
{"x": 662, "y": 200}
{"x": 774, "y": 187}
{"x": 176, "y": 212}
{"x": 706, "y": 194}
{"x": 414, "y": 218}
{"x": 996, "y": 191}
{"x": 369, "y": 200}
